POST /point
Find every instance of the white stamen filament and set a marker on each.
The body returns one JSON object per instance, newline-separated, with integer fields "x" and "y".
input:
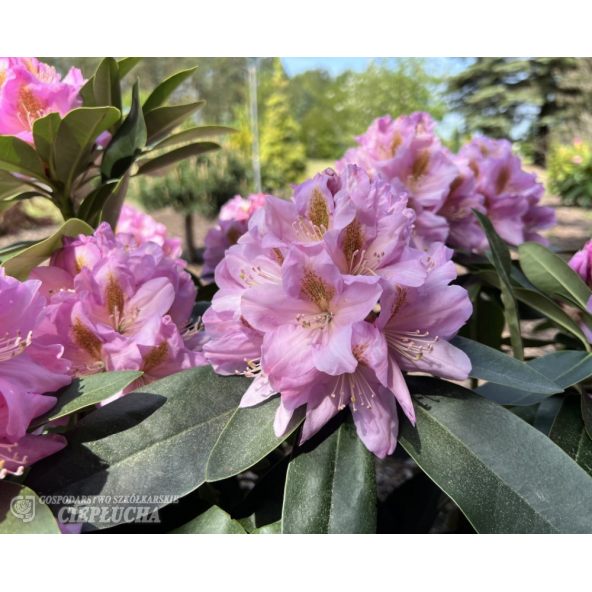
{"x": 6, "y": 454}
{"x": 307, "y": 231}
{"x": 353, "y": 389}
{"x": 11, "y": 347}
{"x": 411, "y": 345}
{"x": 315, "y": 320}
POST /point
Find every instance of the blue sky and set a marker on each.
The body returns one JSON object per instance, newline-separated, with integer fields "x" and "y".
{"x": 335, "y": 66}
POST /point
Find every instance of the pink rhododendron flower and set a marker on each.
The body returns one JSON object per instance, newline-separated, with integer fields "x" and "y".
{"x": 511, "y": 195}
{"x": 28, "y": 370}
{"x": 144, "y": 227}
{"x": 30, "y": 89}
{"x": 325, "y": 301}
{"x": 581, "y": 263}
{"x": 115, "y": 304}
{"x": 232, "y": 224}
{"x": 406, "y": 150}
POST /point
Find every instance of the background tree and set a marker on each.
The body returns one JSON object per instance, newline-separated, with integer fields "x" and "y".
{"x": 536, "y": 100}
{"x": 283, "y": 158}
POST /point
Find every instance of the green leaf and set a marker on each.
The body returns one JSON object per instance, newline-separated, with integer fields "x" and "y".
{"x": 505, "y": 476}
{"x": 552, "y": 311}
{"x": 494, "y": 366}
{"x": 114, "y": 202}
{"x": 164, "y": 90}
{"x": 10, "y": 186}
{"x": 155, "y": 441}
{"x": 25, "y": 515}
{"x": 273, "y": 528}
{"x": 213, "y": 521}
{"x": 587, "y": 411}
{"x": 194, "y": 133}
{"x": 564, "y": 368}
{"x": 92, "y": 206}
{"x": 45, "y": 130}
{"x": 127, "y": 143}
{"x": 163, "y": 120}
{"x": 126, "y": 65}
{"x": 76, "y": 138}
{"x": 16, "y": 156}
{"x": 106, "y": 86}
{"x": 553, "y": 276}
{"x": 163, "y": 161}
{"x": 331, "y": 488}
{"x": 87, "y": 391}
{"x": 10, "y": 251}
{"x": 569, "y": 433}
{"x": 20, "y": 264}
{"x": 502, "y": 262}
{"x": 247, "y": 438}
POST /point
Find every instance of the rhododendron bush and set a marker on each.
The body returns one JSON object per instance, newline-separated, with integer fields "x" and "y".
{"x": 403, "y": 305}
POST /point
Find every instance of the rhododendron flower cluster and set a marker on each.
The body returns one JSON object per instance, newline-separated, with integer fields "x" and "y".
{"x": 326, "y": 301}
{"x": 28, "y": 370}
{"x": 144, "y": 228}
{"x": 232, "y": 224}
{"x": 581, "y": 263}
{"x": 115, "y": 304}
{"x": 444, "y": 188}
{"x": 30, "y": 89}
{"x": 511, "y": 195}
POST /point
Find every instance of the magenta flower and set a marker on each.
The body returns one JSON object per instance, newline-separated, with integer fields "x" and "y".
{"x": 581, "y": 263}
{"x": 301, "y": 306}
{"x": 232, "y": 224}
{"x": 145, "y": 228}
{"x": 466, "y": 233}
{"x": 407, "y": 151}
{"x": 511, "y": 195}
{"x": 115, "y": 304}
{"x": 28, "y": 370}
{"x": 30, "y": 89}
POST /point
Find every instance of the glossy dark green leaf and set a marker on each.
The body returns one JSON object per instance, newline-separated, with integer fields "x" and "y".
{"x": 564, "y": 368}
{"x": 76, "y": 138}
{"x": 114, "y": 202}
{"x": 331, "y": 488}
{"x": 16, "y": 156}
{"x": 92, "y": 206}
{"x": 163, "y": 120}
{"x": 552, "y": 311}
{"x": 194, "y": 133}
{"x": 587, "y": 411}
{"x": 487, "y": 322}
{"x": 106, "y": 86}
{"x": 87, "y": 391}
{"x": 166, "y": 88}
{"x": 127, "y": 143}
{"x": 246, "y": 439}
{"x": 502, "y": 261}
{"x": 552, "y": 275}
{"x": 569, "y": 433}
{"x": 158, "y": 163}
{"x": 213, "y": 521}
{"x": 494, "y": 366}
{"x": 155, "y": 441}
{"x": 10, "y": 186}
{"x": 505, "y": 476}
{"x": 126, "y": 65}
{"x": 21, "y": 511}
{"x": 45, "y": 130}
{"x": 21, "y": 263}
